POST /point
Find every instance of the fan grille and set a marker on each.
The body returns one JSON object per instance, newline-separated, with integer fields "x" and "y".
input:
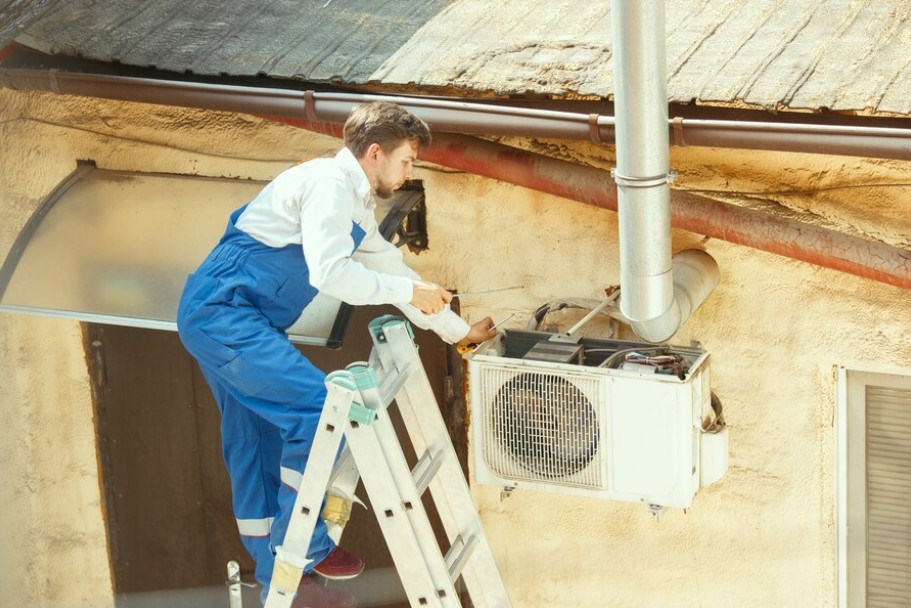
{"x": 540, "y": 427}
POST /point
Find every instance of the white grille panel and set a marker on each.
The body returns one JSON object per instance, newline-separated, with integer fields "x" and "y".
{"x": 540, "y": 426}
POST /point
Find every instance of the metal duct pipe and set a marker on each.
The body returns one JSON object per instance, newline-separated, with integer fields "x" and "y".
{"x": 782, "y": 236}
{"x": 775, "y": 234}
{"x": 643, "y": 164}
{"x": 652, "y": 298}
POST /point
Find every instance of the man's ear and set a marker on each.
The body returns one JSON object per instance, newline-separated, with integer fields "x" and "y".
{"x": 372, "y": 152}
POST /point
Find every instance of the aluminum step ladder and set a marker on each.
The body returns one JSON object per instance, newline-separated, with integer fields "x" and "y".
{"x": 356, "y": 410}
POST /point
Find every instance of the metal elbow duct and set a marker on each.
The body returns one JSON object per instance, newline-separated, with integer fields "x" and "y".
{"x": 695, "y": 277}
{"x": 650, "y": 297}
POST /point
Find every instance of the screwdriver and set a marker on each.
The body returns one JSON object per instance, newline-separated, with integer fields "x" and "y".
{"x": 486, "y": 291}
{"x": 467, "y": 348}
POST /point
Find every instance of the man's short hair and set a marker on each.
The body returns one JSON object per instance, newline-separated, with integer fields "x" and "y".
{"x": 384, "y": 123}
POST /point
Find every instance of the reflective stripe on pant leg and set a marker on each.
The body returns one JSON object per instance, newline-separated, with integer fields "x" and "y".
{"x": 271, "y": 378}
{"x": 251, "y": 448}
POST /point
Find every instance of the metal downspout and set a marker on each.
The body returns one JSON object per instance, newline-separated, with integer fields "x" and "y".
{"x": 656, "y": 294}
{"x": 782, "y": 236}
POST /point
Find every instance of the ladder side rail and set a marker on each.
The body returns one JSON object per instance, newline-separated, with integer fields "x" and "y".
{"x": 452, "y": 497}
{"x": 291, "y": 556}
{"x": 449, "y": 488}
{"x": 389, "y": 509}
{"x": 410, "y": 499}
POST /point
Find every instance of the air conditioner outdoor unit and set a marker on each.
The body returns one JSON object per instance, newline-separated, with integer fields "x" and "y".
{"x": 601, "y": 418}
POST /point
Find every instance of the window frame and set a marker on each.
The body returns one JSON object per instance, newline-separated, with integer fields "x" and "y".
{"x": 851, "y": 477}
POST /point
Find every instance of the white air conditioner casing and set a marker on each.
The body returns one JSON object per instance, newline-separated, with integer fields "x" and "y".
{"x": 594, "y": 431}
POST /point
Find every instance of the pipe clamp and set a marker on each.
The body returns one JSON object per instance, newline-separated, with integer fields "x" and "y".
{"x": 642, "y": 182}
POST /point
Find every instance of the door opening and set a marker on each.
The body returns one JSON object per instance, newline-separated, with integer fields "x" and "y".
{"x": 166, "y": 492}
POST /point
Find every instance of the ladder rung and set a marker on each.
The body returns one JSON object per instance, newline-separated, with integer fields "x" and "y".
{"x": 426, "y": 469}
{"x": 459, "y": 554}
{"x": 392, "y": 384}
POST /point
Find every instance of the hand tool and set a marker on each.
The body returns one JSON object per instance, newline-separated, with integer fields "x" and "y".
{"x": 486, "y": 291}
{"x": 467, "y": 348}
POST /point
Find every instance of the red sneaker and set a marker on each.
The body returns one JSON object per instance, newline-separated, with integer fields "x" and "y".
{"x": 339, "y": 565}
{"x": 311, "y": 594}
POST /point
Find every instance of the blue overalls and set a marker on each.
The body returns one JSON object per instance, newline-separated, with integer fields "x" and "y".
{"x": 232, "y": 316}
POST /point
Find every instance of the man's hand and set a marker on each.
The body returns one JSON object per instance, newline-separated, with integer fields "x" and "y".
{"x": 479, "y": 332}
{"x": 429, "y": 298}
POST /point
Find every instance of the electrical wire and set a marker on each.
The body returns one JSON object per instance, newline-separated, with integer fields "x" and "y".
{"x": 663, "y": 361}
{"x": 717, "y": 424}
{"x": 537, "y": 317}
{"x": 608, "y": 362}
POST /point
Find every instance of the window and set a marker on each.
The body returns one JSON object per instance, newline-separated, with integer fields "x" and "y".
{"x": 874, "y": 489}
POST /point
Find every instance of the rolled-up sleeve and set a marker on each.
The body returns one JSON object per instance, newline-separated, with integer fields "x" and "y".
{"x": 448, "y": 325}
{"x": 379, "y": 254}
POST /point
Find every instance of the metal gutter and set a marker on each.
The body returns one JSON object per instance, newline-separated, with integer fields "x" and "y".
{"x": 806, "y": 242}
{"x": 453, "y": 116}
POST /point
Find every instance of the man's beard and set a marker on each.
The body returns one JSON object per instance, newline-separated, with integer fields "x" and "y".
{"x": 384, "y": 192}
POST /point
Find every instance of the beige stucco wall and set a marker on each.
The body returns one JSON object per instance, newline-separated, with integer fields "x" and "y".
{"x": 763, "y": 536}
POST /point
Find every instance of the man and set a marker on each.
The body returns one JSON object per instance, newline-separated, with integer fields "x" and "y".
{"x": 311, "y": 229}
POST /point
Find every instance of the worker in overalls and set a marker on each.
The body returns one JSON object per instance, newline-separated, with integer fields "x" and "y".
{"x": 310, "y": 230}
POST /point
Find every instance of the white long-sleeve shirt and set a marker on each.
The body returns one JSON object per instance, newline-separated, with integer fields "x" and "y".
{"x": 313, "y": 205}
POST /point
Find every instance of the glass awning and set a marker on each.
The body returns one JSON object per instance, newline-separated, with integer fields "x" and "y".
{"x": 116, "y": 247}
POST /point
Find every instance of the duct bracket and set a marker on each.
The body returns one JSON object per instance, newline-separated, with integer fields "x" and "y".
{"x": 642, "y": 182}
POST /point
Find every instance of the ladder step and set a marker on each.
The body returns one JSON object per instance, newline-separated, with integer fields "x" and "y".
{"x": 392, "y": 384}
{"x": 426, "y": 469}
{"x": 459, "y": 554}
